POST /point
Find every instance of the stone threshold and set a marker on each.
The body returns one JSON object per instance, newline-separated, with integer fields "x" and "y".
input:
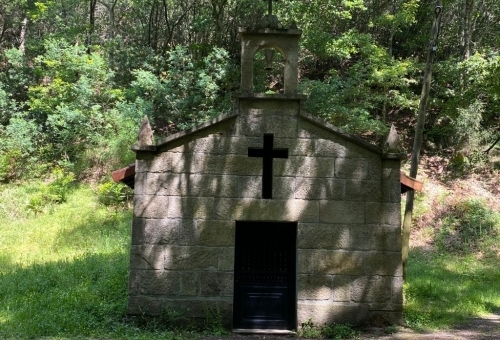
{"x": 264, "y": 331}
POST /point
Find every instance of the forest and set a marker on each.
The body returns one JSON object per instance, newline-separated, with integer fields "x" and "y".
{"x": 76, "y": 77}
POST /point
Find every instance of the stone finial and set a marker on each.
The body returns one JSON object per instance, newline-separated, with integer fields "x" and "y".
{"x": 145, "y": 133}
{"x": 270, "y": 21}
{"x": 392, "y": 143}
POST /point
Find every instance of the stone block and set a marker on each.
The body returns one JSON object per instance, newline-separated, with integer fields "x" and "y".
{"x": 147, "y": 162}
{"x": 233, "y": 165}
{"x": 251, "y": 187}
{"x": 226, "y": 259}
{"x": 146, "y": 257}
{"x": 256, "y": 125}
{"x": 190, "y": 207}
{"x": 269, "y": 108}
{"x": 151, "y": 206}
{"x": 391, "y": 191}
{"x": 383, "y": 213}
{"x": 215, "y": 233}
{"x": 190, "y": 283}
{"x": 322, "y": 236}
{"x": 328, "y": 313}
{"x": 374, "y": 237}
{"x": 200, "y": 144}
{"x": 232, "y": 145}
{"x": 134, "y": 280}
{"x": 296, "y": 147}
{"x": 384, "y": 263}
{"x": 191, "y": 163}
{"x": 216, "y": 284}
{"x": 155, "y": 231}
{"x": 391, "y": 170}
{"x": 364, "y": 191}
{"x": 339, "y": 262}
{"x": 213, "y": 186}
{"x": 305, "y": 167}
{"x": 200, "y": 307}
{"x": 209, "y": 233}
{"x": 160, "y": 282}
{"x": 397, "y": 291}
{"x": 320, "y": 188}
{"x": 314, "y": 287}
{"x": 332, "y": 147}
{"x": 351, "y": 168}
{"x": 270, "y": 210}
{"x": 375, "y": 170}
{"x": 357, "y": 151}
{"x": 161, "y": 184}
{"x": 190, "y": 258}
{"x": 143, "y": 161}
{"x": 149, "y": 305}
{"x": 188, "y": 234}
{"x": 341, "y": 212}
{"x": 305, "y": 261}
{"x": 371, "y": 289}
{"x": 308, "y": 130}
{"x": 341, "y": 288}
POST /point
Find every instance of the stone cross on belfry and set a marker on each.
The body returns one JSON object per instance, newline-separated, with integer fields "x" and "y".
{"x": 270, "y": 7}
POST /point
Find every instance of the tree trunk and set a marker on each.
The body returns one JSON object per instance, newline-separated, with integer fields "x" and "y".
{"x": 22, "y": 36}
{"x": 419, "y": 131}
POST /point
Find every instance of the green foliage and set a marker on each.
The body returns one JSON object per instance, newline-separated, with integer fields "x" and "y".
{"x": 468, "y": 227}
{"x": 213, "y": 321}
{"x": 55, "y": 191}
{"x": 309, "y": 330}
{"x": 188, "y": 91}
{"x": 469, "y": 104}
{"x": 335, "y": 331}
{"x": 339, "y": 331}
{"x": 113, "y": 194}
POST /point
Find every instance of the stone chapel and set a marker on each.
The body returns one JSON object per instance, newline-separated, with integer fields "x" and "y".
{"x": 267, "y": 214}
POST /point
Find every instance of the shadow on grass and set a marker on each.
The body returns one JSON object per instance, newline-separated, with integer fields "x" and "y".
{"x": 80, "y": 297}
{"x": 446, "y": 290}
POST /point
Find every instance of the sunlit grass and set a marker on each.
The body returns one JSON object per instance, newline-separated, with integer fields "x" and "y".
{"x": 79, "y": 226}
{"x": 445, "y": 290}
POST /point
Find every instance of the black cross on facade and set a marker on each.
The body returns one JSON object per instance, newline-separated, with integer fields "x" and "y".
{"x": 268, "y": 153}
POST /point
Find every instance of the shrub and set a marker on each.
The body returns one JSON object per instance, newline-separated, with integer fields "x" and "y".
{"x": 468, "y": 227}
{"x": 114, "y": 194}
{"x": 54, "y": 192}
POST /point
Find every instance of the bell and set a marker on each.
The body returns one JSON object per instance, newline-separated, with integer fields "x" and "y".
{"x": 269, "y": 54}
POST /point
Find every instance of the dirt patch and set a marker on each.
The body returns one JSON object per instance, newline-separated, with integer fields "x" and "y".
{"x": 486, "y": 328}
{"x": 474, "y": 329}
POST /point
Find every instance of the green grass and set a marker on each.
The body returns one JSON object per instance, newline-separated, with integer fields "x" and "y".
{"x": 64, "y": 273}
{"x": 444, "y": 290}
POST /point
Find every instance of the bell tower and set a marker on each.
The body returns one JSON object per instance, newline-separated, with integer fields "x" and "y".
{"x": 271, "y": 36}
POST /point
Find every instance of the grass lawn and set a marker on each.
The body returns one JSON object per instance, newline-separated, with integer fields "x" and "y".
{"x": 64, "y": 273}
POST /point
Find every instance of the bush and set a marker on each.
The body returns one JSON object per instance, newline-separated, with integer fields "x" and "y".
{"x": 113, "y": 194}
{"x": 334, "y": 331}
{"x": 468, "y": 227}
{"x": 54, "y": 192}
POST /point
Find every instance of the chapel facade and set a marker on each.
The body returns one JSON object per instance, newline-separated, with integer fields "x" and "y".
{"x": 267, "y": 214}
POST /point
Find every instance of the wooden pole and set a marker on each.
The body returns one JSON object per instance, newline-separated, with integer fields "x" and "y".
{"x": 419, "y": 131}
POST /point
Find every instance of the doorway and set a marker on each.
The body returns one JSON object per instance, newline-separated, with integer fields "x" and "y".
{"x": 265, "y": 275}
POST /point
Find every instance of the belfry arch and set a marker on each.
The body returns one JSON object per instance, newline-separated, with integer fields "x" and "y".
{"x": 285, "y": 41}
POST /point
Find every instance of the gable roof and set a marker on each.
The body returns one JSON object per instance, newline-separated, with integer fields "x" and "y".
{"x": 310, "y": 118}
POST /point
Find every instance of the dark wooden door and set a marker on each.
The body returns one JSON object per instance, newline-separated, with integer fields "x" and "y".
{"x": 264, "y": 275}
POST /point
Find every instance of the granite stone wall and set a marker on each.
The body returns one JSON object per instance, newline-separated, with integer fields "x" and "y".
{"x": 343, "y": 193}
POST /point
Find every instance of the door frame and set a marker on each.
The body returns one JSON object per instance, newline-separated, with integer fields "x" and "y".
{"x": 290, "y": 303}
